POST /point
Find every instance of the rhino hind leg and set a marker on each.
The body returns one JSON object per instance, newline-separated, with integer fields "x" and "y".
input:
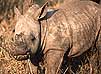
{"x": 53, "y": 61}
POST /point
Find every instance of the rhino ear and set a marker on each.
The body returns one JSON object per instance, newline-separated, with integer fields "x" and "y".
{"x": 44, "y": 12}
{"x": 40, "y": 11}
{"x": 17, "y": 12}
{"x": 48, "y": 14}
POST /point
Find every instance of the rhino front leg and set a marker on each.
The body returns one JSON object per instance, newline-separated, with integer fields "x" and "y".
{"x": 53, "y": 60}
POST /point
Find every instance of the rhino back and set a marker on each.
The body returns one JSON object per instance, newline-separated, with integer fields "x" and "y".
{"x": 73, "y": 25}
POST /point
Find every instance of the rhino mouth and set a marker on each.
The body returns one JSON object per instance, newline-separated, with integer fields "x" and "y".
{"x": 21, "y": 57}
{"x": 25, "y": 45}
{"x": 21, "y": 50}
{"x": 21, "y": 53}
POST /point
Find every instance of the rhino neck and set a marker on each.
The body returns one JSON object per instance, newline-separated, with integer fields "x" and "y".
{"x": 42, "y": 36}
{"x": 39, "y": 38}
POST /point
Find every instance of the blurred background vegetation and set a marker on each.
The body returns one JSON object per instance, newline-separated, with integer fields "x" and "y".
{"x": 7, "y": 6}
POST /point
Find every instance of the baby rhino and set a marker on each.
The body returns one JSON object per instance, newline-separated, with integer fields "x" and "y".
{"x": 72, "y": 27}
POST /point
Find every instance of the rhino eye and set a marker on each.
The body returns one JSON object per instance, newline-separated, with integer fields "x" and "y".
{"x": 33, "y": 39}
{"x": 13, "y": 30}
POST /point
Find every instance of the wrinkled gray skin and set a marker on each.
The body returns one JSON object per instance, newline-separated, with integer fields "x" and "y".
{"x": 74, "y": 27}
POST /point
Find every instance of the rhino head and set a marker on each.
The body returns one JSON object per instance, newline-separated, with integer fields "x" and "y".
{"x": 27, "y": 32}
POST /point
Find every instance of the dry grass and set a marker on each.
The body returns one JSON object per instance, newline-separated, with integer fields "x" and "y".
{"x": 88, "y": 64}
{"x": 8, "y": 64}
